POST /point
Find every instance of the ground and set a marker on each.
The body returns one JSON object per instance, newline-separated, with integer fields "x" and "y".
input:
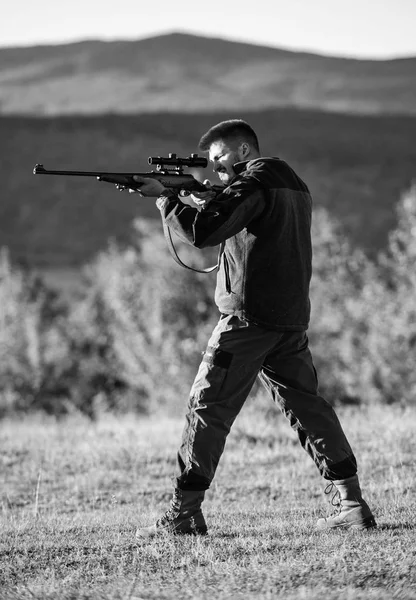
{"x": 74, "y": 491}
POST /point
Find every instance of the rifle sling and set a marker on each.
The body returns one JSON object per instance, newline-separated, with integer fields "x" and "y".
{"x": 175, "y": 256}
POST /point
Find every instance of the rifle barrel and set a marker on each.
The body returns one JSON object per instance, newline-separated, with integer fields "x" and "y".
{"x": 40, "y": 170}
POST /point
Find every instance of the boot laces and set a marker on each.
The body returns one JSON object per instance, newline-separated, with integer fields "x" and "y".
{"x": 336, "y": 498}
{"x": 173, "y": 511}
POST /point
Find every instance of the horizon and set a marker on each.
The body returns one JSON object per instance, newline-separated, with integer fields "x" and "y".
{"x": 364, "y": 31}
{"x": 70, "y": 41}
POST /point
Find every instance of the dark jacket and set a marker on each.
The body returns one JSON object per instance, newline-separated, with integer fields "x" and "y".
{"x": 263, "y": 220}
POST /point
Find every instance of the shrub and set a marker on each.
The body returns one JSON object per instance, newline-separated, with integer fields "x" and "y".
{"x": 363, "y": 330}
{"x": 133, "y": 341}
{"x": 32, "y": 345}
{"x": 152, "y": 316}
{"x": 391, "y": 314}
{"x": 340, "y": 275}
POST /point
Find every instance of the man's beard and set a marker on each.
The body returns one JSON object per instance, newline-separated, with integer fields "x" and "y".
{"x": 229, "y": 173}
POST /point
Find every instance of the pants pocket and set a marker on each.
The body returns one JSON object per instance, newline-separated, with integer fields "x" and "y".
{"x": 212, "y": 372}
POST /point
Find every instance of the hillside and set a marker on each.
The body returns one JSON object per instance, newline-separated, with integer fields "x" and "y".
{"x": 180, "y": 71}
{"x": 356, "y": 166}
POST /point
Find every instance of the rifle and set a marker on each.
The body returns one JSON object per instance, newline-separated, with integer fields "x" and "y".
{"x": 172, "y": 178}
{"x": 169, "y": 171}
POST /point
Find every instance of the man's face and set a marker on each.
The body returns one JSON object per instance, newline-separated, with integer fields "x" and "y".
{"x": 223, "y": 158}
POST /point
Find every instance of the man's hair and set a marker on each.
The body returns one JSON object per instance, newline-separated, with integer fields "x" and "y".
{"x": 231, "y": 130}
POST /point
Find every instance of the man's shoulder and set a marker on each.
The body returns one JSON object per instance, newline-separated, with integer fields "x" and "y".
{"x": 275, "y": 173}
{"x": 258, "y": 163}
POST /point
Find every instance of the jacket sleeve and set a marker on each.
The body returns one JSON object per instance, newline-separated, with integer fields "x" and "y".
{"x": 231, "y": 211}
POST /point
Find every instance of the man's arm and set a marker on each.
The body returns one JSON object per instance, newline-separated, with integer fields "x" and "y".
{"x": 229, "y": 213}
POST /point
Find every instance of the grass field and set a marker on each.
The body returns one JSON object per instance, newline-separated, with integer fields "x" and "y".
{"x": 74, "y": 491}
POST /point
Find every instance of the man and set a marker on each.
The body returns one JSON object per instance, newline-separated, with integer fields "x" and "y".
{"x": 261, "y": 220}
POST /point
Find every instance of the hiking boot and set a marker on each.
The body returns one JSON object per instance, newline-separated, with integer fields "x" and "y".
{"x": 184, "y": 516}
{"x": 352, "y": 511}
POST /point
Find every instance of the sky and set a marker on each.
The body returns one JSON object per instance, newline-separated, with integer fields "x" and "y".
{"x": 352, "y": 28}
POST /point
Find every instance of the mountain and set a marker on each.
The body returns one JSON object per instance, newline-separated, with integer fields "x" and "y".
{"x": 178, "y": 72}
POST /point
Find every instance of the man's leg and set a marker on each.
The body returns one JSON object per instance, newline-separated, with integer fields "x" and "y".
{"x": 289, "y": 374}
{"x": 230, "y": 364}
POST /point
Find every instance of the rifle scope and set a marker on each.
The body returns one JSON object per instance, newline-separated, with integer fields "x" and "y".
{"x": 191, "y": 161}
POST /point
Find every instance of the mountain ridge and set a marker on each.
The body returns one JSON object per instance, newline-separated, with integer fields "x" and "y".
{"x": 194, "y": 36}
{"x": 180, "y": 71}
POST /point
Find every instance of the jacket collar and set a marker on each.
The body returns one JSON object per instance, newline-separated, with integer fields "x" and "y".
{"x": 240, "y": 166}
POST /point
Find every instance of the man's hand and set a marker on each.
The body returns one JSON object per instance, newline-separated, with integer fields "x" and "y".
{"x": 150, "y": 187}
{"x": 202, "y": 199}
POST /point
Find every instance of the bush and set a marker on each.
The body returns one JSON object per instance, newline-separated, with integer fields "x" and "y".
{"x": 391, "y": 316}
{"x": 340, "y": 276}
{"x": 363, "y": 330}
{"x": 133, "y": 341}
{"x": 152, "y": 317}
{"x": 33, "y": 351}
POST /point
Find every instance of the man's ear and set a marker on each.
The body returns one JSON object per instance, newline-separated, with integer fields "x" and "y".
{"x": 244, "y": 150}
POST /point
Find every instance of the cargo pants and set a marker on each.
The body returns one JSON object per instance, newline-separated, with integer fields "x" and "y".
{"x": 236, "y": 354}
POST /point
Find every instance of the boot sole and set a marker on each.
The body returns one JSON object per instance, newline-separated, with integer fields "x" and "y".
{"x": 368, "y": 523}
{"x": 145, "y": 534}
{"x": 193, "y": 532}
{"x": 363, "y": 524}
{"x": 161, "y": 532}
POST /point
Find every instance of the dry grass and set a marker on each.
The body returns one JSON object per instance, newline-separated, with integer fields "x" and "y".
{"x": 74, "y": 491}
